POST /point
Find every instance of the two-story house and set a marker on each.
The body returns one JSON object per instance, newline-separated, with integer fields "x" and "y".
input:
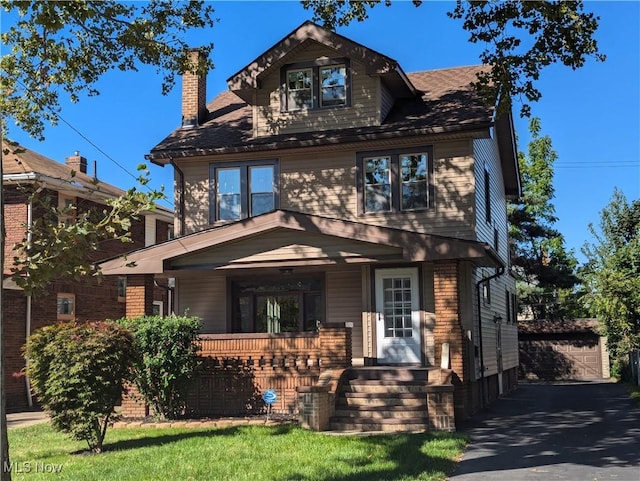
{"x": 66, "y": 299}
{"x": 329, "y": 186}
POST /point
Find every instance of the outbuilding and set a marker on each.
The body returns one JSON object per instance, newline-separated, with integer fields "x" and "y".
{"x": 568, "y": 349}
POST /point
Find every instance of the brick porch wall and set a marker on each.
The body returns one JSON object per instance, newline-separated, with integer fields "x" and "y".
{"x": 237, "y": 368}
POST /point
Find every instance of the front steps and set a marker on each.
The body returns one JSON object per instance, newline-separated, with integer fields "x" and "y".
{"x": 386, "y": 399}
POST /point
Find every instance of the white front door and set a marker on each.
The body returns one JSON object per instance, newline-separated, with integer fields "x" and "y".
{"x": 398, "y": 316}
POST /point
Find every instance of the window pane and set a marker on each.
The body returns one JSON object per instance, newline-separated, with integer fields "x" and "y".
{"x": 312, "y": 311}
{"x": 228, "y": 194}
{"x": 377, "y": 188}
{"x": 334, "y": 85}
{"x": 261, "y": 185}
{"x": 299, "y": 87}
{"x": 66, "y": 305}
{"x": 414, "y": 181}
{"x": 277, "y": 313}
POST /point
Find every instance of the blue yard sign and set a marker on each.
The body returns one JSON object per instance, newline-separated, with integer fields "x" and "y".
{"x": 269, "y": 397}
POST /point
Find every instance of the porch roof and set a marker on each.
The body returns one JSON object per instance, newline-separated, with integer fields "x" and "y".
{"x": 285, "y": 238}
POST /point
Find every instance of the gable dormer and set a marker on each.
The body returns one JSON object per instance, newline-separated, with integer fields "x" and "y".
{"x": 316, "y": 80}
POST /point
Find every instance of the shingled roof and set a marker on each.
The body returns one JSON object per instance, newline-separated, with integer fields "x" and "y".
{"x": 449, "y": 104}
{"x": 574, "y": 326}
{"x": 22, "y": 164}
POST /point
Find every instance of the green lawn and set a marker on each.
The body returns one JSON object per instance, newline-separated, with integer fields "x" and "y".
{"x": 251, "y": 453}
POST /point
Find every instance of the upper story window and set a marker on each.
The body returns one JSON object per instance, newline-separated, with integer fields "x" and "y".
{"x": 67, "y": 209}
{"x": 242, "y": 190}
{"x": 311, "y": 85}
{"x": 487, "y": 195}
{"x": 397, "y": 180}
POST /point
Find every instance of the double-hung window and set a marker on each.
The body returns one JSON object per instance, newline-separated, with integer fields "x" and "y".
{"x": 313, "y": 85}
{"x": 242, "y": 190}
{"x": 394, "y": 181}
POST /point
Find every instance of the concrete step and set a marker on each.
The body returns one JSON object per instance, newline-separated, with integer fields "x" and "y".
{"x": 408, "y": 425}
{"x": 367, "y": 399}
{"x": 401, "y": 412}
{"x": 386, "y": 373}
{"x": 384, "y": 387}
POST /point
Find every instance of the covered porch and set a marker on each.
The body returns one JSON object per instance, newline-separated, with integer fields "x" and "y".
{"x": 286, "y": 296}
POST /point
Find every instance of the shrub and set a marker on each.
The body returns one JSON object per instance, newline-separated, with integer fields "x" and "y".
{"x": 165, "y": 360}
{"x": 78, "y": 372}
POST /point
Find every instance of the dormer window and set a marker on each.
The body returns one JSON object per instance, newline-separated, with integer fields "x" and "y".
{"x": 299, "y": 89}
{"x": 312, "y": 85}
{"x": 334, "y": 85}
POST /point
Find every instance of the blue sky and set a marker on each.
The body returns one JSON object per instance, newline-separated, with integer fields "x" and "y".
{"x": 592, "y": 114}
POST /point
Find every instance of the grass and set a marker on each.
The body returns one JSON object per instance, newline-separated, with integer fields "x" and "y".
{"x": 634, "y": 391}
{"x": 256, "y": 453}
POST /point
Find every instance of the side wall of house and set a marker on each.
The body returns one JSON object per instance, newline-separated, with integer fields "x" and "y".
{"x": 499, "y": 337}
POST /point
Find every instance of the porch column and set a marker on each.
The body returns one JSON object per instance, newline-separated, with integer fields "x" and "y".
{"x": 139, "y": 298}
{"x": 448, "y": 329}
{"x": 139, "y": 302}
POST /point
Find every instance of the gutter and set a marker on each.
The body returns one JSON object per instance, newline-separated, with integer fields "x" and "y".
{"x": 28, "y": 313}
{"x": 499, "y": 272}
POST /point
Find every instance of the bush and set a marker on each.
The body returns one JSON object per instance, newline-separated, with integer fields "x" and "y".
{"x": 78, "y": 372}
{"x": 165, "y": 360}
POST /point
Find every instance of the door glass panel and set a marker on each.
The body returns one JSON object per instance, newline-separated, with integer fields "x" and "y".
{"x": 277, "y": 313}
{"x": 397, "y": 307}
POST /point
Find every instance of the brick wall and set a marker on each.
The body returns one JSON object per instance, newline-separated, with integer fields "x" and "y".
{"x": 237, "y": 368}
{"x": 95, "y": 300}
{"x": 448, "y": 329}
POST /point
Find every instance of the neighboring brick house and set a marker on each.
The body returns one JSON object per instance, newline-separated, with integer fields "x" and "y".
{"x": 65, "y": 299}
{"x": 329, "y": 186}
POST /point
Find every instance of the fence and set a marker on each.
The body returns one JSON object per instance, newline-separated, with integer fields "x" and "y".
{"x": 634, "y": 364}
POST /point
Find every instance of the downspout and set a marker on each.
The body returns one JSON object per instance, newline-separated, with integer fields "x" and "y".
{"x": 181, "y": 220}
{"x": 28, "y": 313}
{"x": 499, "y": 272}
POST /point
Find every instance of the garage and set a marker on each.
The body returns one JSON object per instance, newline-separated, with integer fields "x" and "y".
{"x": 562, "y": 350}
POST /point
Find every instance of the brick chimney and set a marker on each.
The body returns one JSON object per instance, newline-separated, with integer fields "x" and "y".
{"x": 194, "y": 95}
{"x": 77, "y": 162}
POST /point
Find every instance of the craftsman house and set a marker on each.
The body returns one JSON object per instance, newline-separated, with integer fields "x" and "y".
{"x": 65, "y": 299}
{"x": 334, "y": 211}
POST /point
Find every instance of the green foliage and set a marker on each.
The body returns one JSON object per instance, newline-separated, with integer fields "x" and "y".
{"x": 63, "y": 242}
{"x": 78, "y": 372}
{"x": 165, "y": 361}
{"x": 545, "y": 269}
{"x": 611, "y": 276}
{"x": 56, "y": 47}
{"x": 520, "y": 39}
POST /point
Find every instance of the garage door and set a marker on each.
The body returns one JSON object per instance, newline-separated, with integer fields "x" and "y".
{"x": 575, "y": 358}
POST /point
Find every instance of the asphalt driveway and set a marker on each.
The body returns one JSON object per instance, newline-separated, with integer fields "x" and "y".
{"x": 557, "y": 431}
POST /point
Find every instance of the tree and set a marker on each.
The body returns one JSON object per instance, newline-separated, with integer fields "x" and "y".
{"x": 46, "y": 54}
{"x": 545, "y": 270}
{"x": 65, "y": 47}
{"x": 520, "y": 38}
{"x": 611, "y": 276}
{"x": 79, "y": 374}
